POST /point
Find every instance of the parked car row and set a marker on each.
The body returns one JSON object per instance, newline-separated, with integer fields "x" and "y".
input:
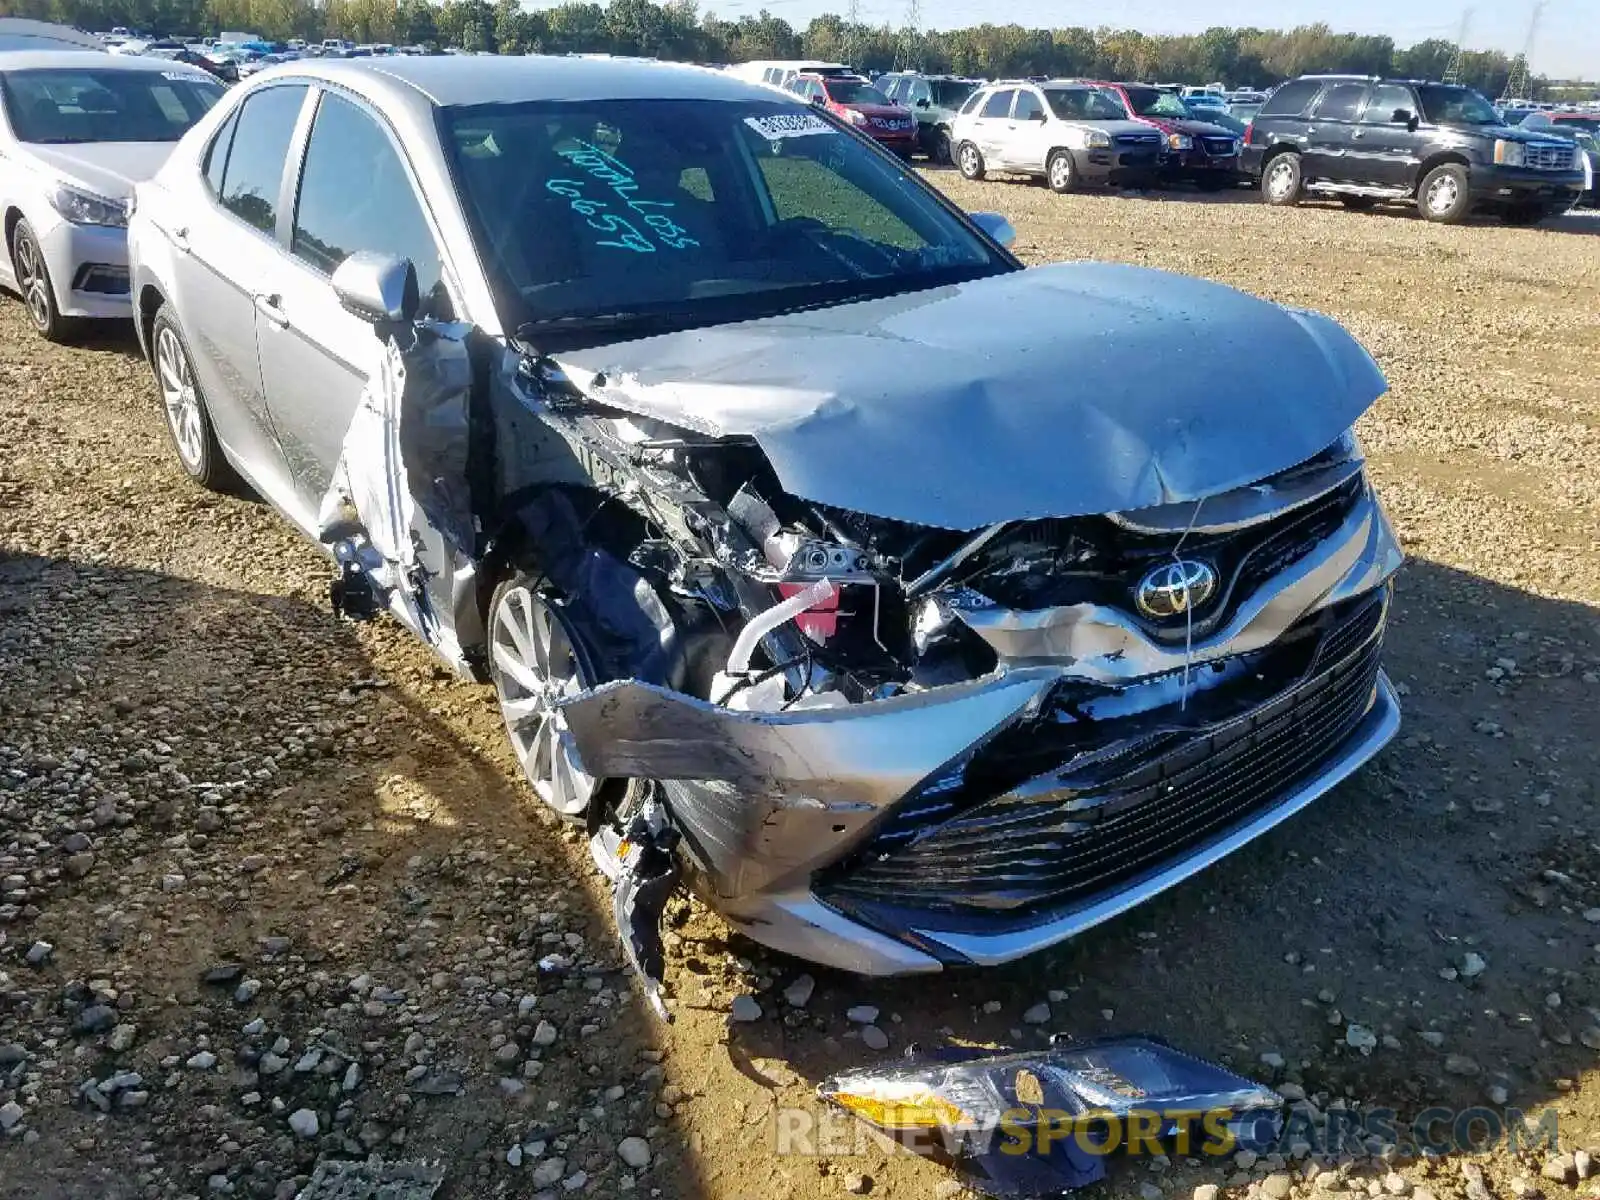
{"x": 651, "y": 397}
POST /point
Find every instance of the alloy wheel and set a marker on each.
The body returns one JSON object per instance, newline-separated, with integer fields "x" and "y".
{"x": 1280, "y": 180}
{"x": 535, "y": 668}
{"x": 32, "y": 281}
{"x": 1060, "y": 172}
{"x": 180, "y": 398}
{"x": 969, "y": 159}
{"x": 1442, "y": 194}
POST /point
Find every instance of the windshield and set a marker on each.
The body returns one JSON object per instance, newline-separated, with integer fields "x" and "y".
{"x": 1149, "y": 102}
{"x": 672, "y": 213}
{"x": 850, "y": 91}
{"x": 1083, "y": 104}
{"x": 950, "y": 93}
{"x": 64, "y": 106}
{"x": 1443, "y": 105}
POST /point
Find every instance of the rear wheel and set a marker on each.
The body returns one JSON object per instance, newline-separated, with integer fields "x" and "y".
{"x": 970, "y": 161}
{"x": 536, "y": 660}
{"x": 1443, "y": 195}
{"x": 1061, "y": 172}
{"x": 1281, "y": 182}
{"x": 942, "y": 153}
{"x": 33, "y": 281}
{"x": 188, "y": 422}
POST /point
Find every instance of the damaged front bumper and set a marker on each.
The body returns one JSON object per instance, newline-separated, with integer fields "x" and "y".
{"x": 978, "y": 822}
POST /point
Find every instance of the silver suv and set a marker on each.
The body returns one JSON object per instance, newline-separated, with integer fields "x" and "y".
{"x": 1070, "y": 134}
{"x": 919, "y": 609}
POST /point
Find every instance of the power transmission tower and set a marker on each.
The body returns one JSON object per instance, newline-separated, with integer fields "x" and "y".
{"x": 911, "y": 37}
{"x": 852, "y": 32}
{"x": 1517, "y": 83}
{"x": 1452, "y": 73}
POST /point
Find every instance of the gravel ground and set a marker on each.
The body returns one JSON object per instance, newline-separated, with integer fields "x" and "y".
{"x": 270, "y": 891}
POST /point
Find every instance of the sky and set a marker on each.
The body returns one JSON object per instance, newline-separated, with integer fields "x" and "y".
{"x": 1567, "y": 44}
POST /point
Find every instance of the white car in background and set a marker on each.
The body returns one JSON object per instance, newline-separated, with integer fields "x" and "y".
{"x": 77, "y": 130}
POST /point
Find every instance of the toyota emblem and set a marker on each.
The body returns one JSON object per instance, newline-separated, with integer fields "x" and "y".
{"x": 1175, "y": 587}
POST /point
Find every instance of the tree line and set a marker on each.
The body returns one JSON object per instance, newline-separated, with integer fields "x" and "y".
{"x": 677, "y": 30}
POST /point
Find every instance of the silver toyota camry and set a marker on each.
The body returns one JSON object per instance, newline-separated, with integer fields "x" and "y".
{"x": 918, "y": 609}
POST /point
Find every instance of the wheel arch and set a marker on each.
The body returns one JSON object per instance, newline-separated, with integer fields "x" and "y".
{"x": 1438, "y": 159}
{"x": 146, "y": 305}
{"x": 13, "y": 218}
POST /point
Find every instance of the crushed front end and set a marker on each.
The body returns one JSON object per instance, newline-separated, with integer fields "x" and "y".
{"x": 903, "y": 747}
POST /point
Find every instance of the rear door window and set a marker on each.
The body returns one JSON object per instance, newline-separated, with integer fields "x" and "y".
{"x": 998, "y": 105}
{"x": 1291, "y": 99}
{"x": 254, "y": 174}
{"x": 1341, "y": 102}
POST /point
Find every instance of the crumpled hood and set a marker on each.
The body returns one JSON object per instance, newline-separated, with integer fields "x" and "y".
{"x": 1059, "y": 391}
{"x": 108, "y": 168}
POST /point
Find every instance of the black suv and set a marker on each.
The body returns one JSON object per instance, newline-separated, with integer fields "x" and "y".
{"x": 1440, "y": 146}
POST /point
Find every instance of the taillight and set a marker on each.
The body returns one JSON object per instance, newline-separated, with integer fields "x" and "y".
{"x": 1249, "y": 127}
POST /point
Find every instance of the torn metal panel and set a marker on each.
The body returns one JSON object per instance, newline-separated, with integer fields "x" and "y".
{"x": 1106, "y": 645}
{"x": 374, "y": 1179}
{"x": 399, "y": 512}
{"x": 1105, "y": 388}
{"x": 761, "y": 796}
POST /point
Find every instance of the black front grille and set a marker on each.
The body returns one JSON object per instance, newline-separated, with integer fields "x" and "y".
{"x": 1113, "y": 813}
{"x": 1138, "y": 139}
{"x": 1219, "y": 147}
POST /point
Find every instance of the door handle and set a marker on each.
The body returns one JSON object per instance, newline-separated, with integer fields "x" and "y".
{"x": 1310, "y": 129}
{"x": 271, "y": 307}
{"x": 1357, "y": 134}
{"x": 180, "y": 238}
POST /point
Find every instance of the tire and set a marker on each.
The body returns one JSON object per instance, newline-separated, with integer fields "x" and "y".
{"x": 969, "y": 161}
{"x": 1281, "y": 181}
{"x": 1358, "y": 203}
{"x": 536, "y": 656}
{"x": 1442, "y": 195}
{"x": 1061, "y": 173}
{"x": 34, "y": 283}
{"x": 942, "y": 154}
{"x": 184, "y": 405}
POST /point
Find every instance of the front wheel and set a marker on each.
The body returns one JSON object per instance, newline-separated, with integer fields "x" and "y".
{"x": 1443, "y": 195}
{"x": 33, "y": 281}
{"x": 1281, "y": 182}
{"x": 536, "y": 660}
{"x": 970, "y": 160}
{"x": 1061, "y": 172}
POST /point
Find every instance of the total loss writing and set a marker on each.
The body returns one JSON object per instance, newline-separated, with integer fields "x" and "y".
{"x": 603, "y": 214}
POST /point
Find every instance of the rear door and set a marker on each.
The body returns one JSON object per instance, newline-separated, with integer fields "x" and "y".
{"x": 226, "y": 246}
{"x": 1385, "y": 150}
{"x": 356, "y": 191}
{"x": 992, "y": 128}
{"x": 1328, "y": 137}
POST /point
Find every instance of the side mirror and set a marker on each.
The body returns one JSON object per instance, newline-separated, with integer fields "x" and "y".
{"x": 997, "y": 227}
{"x": 819, "y": 101}
{"x": 378, "y": 288}
{"x": 1404, "y": 116}
{"x": 1040, "y": 117}
{"x": 923, "y": 103}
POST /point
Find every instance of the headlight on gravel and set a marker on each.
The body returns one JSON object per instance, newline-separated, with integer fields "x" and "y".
{"x": 1509, "y": 154}
{"x": 86, "y": 208}
{"x": 1180, "y": 141}
{"x": 1096, "y": 140}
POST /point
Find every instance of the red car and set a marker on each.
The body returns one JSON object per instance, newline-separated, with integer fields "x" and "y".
{"x": 857, "y": 102}
{"x": 1202, "y": 153}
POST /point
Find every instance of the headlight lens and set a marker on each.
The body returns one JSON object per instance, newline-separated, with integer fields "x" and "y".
{"x": 1509, "y": 154}
{"x": 1098, "y": 141}
{"x": 86, "y": 208}
{"x": 1180, "y": 141}
{"x": 855, "y": 116}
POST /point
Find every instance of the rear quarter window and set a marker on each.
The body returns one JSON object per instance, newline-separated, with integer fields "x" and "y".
{"x": 1291, "y": 99}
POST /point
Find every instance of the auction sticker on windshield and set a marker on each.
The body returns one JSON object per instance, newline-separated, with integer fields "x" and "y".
{"x": 788, "y": 125}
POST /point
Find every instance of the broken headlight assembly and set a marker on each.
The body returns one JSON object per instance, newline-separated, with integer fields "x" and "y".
{"x": 1035, "y": 1124}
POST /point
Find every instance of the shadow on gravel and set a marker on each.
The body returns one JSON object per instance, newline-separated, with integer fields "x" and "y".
{"x": 195, "y": 779}
{"x": 1473, "y": 835}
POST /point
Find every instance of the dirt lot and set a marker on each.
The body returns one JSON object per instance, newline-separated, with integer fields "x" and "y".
{"x": 272, "y": 881}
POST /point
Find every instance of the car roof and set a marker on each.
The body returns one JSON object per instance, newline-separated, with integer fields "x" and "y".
{"x": 449, "y": 80}
{"x": 99, "y": 60}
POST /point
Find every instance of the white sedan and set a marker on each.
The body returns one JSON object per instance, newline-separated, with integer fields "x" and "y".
{"x": 80, "y": 129}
